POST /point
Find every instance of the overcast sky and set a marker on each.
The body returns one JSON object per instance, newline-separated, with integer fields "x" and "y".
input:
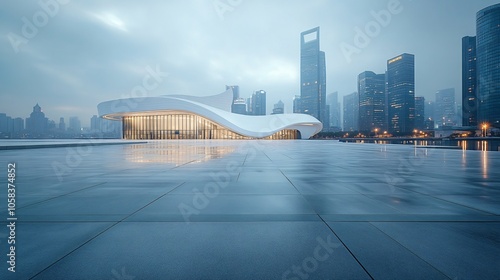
{"x": 86, "y": 52}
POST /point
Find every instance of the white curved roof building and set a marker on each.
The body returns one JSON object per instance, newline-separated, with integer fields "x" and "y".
{"x": 192, "y": 117}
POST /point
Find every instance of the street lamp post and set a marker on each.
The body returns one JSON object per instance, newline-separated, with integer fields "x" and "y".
{"x": 485, "y": 127}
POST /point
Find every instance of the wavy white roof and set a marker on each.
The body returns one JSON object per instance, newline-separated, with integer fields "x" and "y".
{"x": 212, "y": 108}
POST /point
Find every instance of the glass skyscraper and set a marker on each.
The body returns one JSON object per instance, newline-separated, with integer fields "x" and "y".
{"x": 236, "y": 95}
{"x": 469, "y": 94}
{"x": 259, "y": 103}
{"x": 488, "y": 64}
{"x": 351, "y": 112}
{"x": 420, "y": 112}
{"x": 371, "y": 89}
{"x": 445, "y": 107}
{"x": 332, "y": 100}
{"x": 401, "y": 94}
{"x": 312, "y": 75}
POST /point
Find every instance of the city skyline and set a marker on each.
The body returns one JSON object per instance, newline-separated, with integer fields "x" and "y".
{"x": 88, "y": 53}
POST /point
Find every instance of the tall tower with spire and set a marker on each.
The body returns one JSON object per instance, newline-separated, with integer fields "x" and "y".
{"x": 37, "y": 123}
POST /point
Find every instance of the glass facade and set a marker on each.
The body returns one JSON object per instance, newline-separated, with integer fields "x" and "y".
{"x": 420, "y": 112}
{"x": 469, "y": 95}
{"x": 401, "y": 94}
{"x": 371, "y": 89}
{"x": 312, "y": 76}
{"x": 185, "y": 126}
{"x": 488, "y": 64}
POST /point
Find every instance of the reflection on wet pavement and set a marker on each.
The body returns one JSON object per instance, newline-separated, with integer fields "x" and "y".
{"x": 255, "y": 209}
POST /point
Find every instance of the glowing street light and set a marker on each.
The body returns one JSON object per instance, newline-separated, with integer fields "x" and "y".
{"x": 485, "y": 127}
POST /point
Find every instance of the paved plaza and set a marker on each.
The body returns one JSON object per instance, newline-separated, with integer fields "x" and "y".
{"x": 253, "y": 210}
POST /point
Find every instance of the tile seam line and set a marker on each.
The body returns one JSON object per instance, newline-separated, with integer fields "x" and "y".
{"x": 288, "y": 220}
{"x": 55, "y": 197}
{"x": 347, "y": 248}
{"x": 413, "y": 253}
{"x": 242, "y": 166}
{"x": 103, "y": 231}
{"x": 448, "y": 201}
{"x": 326, "y": 224}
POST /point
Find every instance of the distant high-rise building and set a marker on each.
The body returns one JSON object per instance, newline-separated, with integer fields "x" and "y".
{"x": 62, "y": 125}
{"x": 488, "y": 64}
{"x": 430, "y": 114}
{"x": 37, "y": 123}
{"x": 420, "y": 112}
{"x": 351, "y": 112}
{"x": 469, "y": 82}
{"x": 326, "y": 122}
{"x": 259, "y": 103}
{"x": 95, "y": 123}
{"x": 4, "y": 123}
{"x": 371, "y": 89}
{"x": 332, "y": 100}
{"x": 445, "y": 107}
{"x": 236, "y": 95}
{"x": 17, "y": 125}
{"x": 296, "y": 104}
{"x": 240, "y": 106}
{"x": 51, "y": 125}
{"x": 429, "y": 110}
{"x": 249, "y": 106}
{"x": 279, "y": 108}
{"x": 401, "y": 94}
{"x": 74, "y": 125}
{"x": 312, "y": 75}
{"x": 458, "y": 114}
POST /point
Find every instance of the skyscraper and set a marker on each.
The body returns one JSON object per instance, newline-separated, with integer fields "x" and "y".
{"x": 249, "y": 106}
{"x": 74, "y": 125}
{"x": 236, "y": 95}
{"x": 430, "y": 110}
{"x": 401, "y": 94}
{"x": 37, "y": 123}
{"x": 62, "y": 125}
{"x": 4, "y": 123}
{"x": 296, "y": 104}
{"x": 259, "y": 103}
{"x": 351, "y": 112}
{"x": 420, "y": 112}
{"x": 332, "y": 100}
{"x": 488, "y": 64}
{"x": 469, "y": 82}
{"x": 445, "y": 107}
{"x": 279, "y": 108}
{"x": 95, "y": 123}
{"x": 239, "y": 106}
{"x": 371, "y": 89}
{"x": 17, "y": 125}
{"x": 312, "y": 75}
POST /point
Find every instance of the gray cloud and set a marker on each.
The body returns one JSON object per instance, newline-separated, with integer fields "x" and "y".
{"x": 93, "y": 51}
